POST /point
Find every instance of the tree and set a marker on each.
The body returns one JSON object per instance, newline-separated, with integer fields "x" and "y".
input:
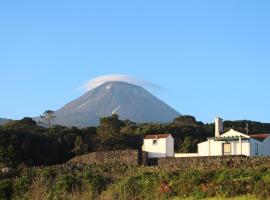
{"x": 109, "y": 131}
{"x": 10, "y": 156}
{"x": 79, "y": 146}
{"x": 7, "y": 156}
{"x": 26, "y": 124}
{"x": 48, "y": 115}
{"x": 186, "y": 146}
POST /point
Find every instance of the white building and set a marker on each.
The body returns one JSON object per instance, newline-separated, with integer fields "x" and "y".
{"x": 234, "y": 143}
{"x": 159, "y": 146}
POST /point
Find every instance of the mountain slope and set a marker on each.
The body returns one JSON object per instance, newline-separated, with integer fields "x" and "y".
{"x": 126, "y": 100}
{"x": 3, "y": 121}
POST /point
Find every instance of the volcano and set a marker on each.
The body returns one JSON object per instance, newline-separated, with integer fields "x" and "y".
{"x": 127, "y": 100}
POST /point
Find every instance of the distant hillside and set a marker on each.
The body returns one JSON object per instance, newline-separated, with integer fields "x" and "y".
{"x": 3, "y": 121}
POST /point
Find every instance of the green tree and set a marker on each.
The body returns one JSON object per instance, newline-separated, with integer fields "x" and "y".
{"x": 26, "y": 124}
{"x": 7, "y": 156}
{"x": 109, "y": 131}
{"x": 79, "y": 146}
{"x": 6, "y": 189}
{"x": 186, "y": 146}
{"x": 48, "y": 115}
{"x": 2, "y": 155}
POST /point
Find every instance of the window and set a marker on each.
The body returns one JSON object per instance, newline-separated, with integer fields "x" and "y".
{"x": 155, "y": 142}
{"x": 256, "y": 149}
{"x": 226, "y": 149}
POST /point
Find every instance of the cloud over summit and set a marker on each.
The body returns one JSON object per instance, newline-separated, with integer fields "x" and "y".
{"x": 96, "y": 82}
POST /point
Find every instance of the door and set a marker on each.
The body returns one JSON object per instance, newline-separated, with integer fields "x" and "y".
{"x": 226, "y": 149}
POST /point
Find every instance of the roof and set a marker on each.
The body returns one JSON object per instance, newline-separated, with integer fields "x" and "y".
{"x": 229, "y": 138}
{"x": 260, "y": 137}
{"x": 159, "y": 136}
{"x": 234, "y": 133}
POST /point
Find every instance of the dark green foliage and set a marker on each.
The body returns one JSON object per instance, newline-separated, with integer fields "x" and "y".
{"x": 7, "y": 156}
{"x": 187, "y": 146}
{"x": 6, "y": 189}
{"x": 22, "y": 183}
{"x": 66, "y": 183}
{"x": 23, "y": 141}
{"x": 119, "y": 181}
{"x": 97, "y": 182}
{"x": 24, "y": 124}
{"x": 80, "y": 147}
{"x": 109, "y": 131}
{"x": 141, "y": 186}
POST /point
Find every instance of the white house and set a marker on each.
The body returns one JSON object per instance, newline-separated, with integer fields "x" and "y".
{"x": 234, "y": 143}
{"x": 159, "y": 146}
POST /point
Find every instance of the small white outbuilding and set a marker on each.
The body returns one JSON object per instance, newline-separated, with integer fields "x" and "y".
{"x": 234, "y": 143}
{"x": 159, "y": 146}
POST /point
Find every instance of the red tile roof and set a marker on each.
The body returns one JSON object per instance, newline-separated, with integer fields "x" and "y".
{"x": 159, "y": 136}
{"x": 260, "y": 136}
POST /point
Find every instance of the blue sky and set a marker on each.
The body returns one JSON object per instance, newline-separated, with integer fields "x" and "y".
{"x": 210, "y": 57}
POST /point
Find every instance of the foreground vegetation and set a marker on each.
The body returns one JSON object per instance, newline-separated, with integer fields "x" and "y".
{"x": 35, "y": 154}
{"x": 118, "y": 181}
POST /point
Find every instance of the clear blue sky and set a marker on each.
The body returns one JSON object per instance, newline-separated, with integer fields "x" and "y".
{"x": 211, "y": 57}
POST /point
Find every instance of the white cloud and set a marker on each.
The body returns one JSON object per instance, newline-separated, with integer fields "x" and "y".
{"x": 96, "y": 82}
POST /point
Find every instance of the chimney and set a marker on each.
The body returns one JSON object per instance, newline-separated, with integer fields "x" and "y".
{"x": 218, "y": 126}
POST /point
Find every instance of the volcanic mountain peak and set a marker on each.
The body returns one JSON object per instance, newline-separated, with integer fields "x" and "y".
{"x": 124, "y": 99}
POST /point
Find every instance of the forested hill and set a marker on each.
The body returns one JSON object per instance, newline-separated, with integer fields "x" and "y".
{"x": 246, "y": 126}
{"x": 25, "y": 142}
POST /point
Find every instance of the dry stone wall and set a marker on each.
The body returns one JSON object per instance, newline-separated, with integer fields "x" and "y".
{"x": 135, "y": 158}
{"x": 212, "y": 162}
{"x": 129, "y": 157}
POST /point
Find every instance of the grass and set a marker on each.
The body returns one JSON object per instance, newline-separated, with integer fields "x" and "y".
{"x": 111, "y": 181}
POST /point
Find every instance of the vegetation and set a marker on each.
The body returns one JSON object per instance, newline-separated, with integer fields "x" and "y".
{"x": 27, "y": 148}
{"x": 118, "y": 181}
{"x": 48, "y": 115}
{"x": 24, "y": 142}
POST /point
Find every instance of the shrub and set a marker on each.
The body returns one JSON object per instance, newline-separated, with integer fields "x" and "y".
{"x": 21, "y": 184}
{"x": 6, "y": 189}
{"x": 48, "y": 175}
{"x": 142, "y": 186}
{"x": 262, "y": 190}
{"x": 97, "y": 182}
{"x": 66, "y": 183}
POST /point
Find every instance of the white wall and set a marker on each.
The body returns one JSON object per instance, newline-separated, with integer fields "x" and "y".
{"x": 214, "y": 148}
{"x": 210, "y": 148}
{"x": 170, "y": 146}
{"x": 163, "y": 148}
{"x": 155, "y": 151}
{"x": 253, "y": 143}
{"x": 185, "y": 155}
{"x": 240, "y": 149}
{"x": 266, "y": 147}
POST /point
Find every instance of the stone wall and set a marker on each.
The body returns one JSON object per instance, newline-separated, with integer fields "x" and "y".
{"x": 129, "y": 157}
{"x": 211, "y": 162}
{"x": 135, "y": 158}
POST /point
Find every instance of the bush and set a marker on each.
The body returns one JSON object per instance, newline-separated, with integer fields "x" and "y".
{"x": 66, "y": 183}
{"x": 21, "y": 186}
{"x": 97, "y": 182}
{"x": 6, "y": 189}
{"x": 48, "y": 175}
{"x": 262, "y": 190}
{"x": 142, "y": 186}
